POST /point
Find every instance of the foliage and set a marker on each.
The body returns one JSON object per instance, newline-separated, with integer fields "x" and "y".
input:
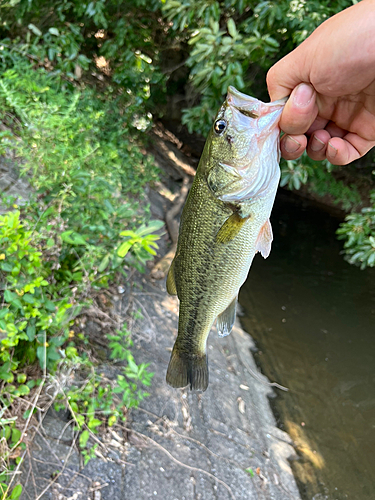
{"x": 28, "y": 316}
{"x": 359, "y": 232}
{"x": 320, "y": 179}
{"x": 96, "y": 400}
{"x": 83, "y": 157}
{"x": 232, "y": 41}
{"x": 10, "y": 439}
{"x": 250, "y": 471}
{"x": 82, "y": 154}
{"x": 127, "y": 46}
{"x": 71, "y": 37}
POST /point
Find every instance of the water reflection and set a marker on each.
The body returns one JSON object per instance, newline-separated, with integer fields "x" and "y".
{"x": 312, "y": 316}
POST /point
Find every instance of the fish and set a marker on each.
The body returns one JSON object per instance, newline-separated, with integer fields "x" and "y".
{"x": 224, "y": 223}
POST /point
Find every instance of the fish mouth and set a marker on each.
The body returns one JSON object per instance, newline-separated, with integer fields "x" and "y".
{"x": 251, "y": 106}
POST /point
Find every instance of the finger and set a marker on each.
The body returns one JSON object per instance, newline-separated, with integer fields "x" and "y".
{"x": 335, "y": 131}
{"x": 276, "y": 84}
{"x": 341, "y": 151}
{"x": 317, "y": 145}
{"x": 292, "y": 147}
{"x": 318, "y": 124}
{"x": 300, "y": 110}
{"x": 286, "y": 74}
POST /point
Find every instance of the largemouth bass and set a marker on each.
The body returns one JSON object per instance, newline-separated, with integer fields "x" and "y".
{"x": 225, "y": 221}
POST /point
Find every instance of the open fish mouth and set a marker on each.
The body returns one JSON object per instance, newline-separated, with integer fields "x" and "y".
{"x": 251, "y": 106}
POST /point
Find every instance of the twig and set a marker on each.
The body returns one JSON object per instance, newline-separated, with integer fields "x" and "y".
{"x": 166, "y": 421}
{"x": 62, "y": 470}
{"x": 29, "y": 417}
{"x": 172, "y": 224}
{"x": 264, "y": 382}
{"x": 190, "y": 467}
{"x": 160, "y": 269}
{"x": 146, "y": 313}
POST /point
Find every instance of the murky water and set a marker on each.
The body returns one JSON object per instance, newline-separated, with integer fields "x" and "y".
{"x": 313, "y": 318}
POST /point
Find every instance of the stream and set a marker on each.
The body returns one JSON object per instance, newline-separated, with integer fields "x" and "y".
{"x": 312, "y": 316}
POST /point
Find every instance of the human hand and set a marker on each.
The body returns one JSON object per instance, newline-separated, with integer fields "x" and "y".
{"x": 330, "y": 78}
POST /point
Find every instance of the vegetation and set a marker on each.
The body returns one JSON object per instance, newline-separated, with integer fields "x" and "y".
{"x": 80, "y": 83}
{"x": 84, "y": 226}
{"x": 143, "y": 53}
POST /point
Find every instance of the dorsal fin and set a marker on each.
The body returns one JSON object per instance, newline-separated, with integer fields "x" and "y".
{"x": 171, "y": 283}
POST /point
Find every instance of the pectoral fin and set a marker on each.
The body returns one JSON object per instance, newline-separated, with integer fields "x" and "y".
{"x": 230, "y": 228}
{"x": 265, "y": 237}
{"x": 226, "y": 319}
{"x": 171, "y": 283}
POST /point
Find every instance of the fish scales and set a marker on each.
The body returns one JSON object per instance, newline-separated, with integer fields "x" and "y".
{"x": 218, "y": 238}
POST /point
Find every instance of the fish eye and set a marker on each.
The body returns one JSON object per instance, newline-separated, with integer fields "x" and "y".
{"x": 220, "y": 126}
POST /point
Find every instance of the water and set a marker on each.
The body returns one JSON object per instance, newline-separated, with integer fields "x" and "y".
{"x": 313, "y": 318}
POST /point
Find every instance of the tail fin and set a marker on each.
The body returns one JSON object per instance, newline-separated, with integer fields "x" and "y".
{"x": 184, "y": 370}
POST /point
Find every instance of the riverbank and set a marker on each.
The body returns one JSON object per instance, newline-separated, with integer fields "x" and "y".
{"x": 221, "y": 444}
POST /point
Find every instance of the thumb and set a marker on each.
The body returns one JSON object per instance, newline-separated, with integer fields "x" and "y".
{"x": 284, "y": 76}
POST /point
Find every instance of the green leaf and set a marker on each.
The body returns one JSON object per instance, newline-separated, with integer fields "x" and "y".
{"x": 16, "y": 303}
{"x": 232, "y": 28}
{"x": 73, "y": 238}
{"x": 23, "y": 390}
{"x": 112, "y": 420}
{"x": 83, "y": 438}
{"x": 34, "y": 29}
{"x": 28, "y": 298}
{"x": 153, "y": 226}
{"x": 40, "y": 352}
{"x": 5, "y": 266}
{"x": 30, "y": 332}
{"x": 16, "y": 435}
{"x": 51, "y": 57}
{"x": 49, "y": 305}
{"x": 9, "y": 296}
{"x": 21, "y": 378}
{"x": 54, "y": 31}
{"x": 16, "y": 492}
{"x": 104, "y": 263}
{"x": 124, "y": 249}
{"x": 93, "y": 423}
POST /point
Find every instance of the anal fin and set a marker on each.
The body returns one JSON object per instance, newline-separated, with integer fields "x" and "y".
{"x": 230, "y": 228}
{"x": 264, "y": 240}
{"x": 171, "y": 283}
{"x": 226, "y": 319}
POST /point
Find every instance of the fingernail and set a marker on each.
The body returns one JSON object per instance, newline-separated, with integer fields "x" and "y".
{"x": 303, "y": 94}
{"x": 316, "y": 144}
{"x": 291, "y": 145}
{"x": 331, "y": 151}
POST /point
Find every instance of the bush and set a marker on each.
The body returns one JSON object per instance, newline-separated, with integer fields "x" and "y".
{"x": 86, "y": 224}
{"x": 358, "y": 231}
